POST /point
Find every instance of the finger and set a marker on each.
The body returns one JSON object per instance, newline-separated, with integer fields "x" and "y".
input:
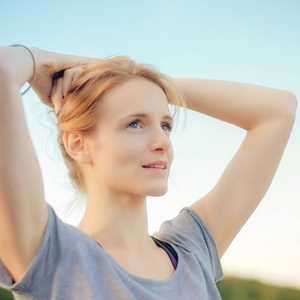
{"x": 75, "y": 76}
{"x": 57, "y": 95}
{"x": 70, "y": 76}
{"x": 53, "y": 89}
{"x": 67, "y": 81}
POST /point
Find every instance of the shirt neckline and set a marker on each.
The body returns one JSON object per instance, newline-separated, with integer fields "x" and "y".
{"x": 168, "y": 249}
{"x": 145, "y": 280}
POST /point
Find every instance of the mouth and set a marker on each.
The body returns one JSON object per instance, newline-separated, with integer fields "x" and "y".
{"x": 156, "y": 170}
{"x": 158, "y": 164}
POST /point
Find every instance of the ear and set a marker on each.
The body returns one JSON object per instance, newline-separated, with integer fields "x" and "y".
{"x": 77, "y": 147}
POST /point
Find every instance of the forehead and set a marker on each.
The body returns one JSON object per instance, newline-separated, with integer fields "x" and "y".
{"x": 135, "y": 95}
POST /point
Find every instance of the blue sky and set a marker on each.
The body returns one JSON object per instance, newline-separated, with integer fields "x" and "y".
{"x": 247, "y": 41}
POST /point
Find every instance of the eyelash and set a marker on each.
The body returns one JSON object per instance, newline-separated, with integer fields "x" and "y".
{"x": 169, "y": 125}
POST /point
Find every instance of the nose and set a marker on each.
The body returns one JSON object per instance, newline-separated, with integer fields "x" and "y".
{"x": 160, "y": 139}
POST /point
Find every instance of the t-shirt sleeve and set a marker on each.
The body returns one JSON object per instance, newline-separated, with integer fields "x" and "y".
{"x": 189, "y": 231}
{"x": 42, "y": 268}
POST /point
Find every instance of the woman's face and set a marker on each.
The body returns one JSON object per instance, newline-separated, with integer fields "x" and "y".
{"x": 123, "y": 142}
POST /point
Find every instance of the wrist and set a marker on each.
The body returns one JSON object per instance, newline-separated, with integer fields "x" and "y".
{"x": 17, "y": 64}
{"x": 36, "y": 61}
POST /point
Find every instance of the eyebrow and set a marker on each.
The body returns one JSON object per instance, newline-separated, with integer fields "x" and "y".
{"x": 143, "y": 115}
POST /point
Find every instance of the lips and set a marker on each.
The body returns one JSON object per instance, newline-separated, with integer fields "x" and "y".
{"x": 159, "y": 164}
{"x": 154, "y": 167}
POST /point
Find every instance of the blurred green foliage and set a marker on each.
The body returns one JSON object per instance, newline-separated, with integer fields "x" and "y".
{"x": 5, "y": 295}
{"x": 233, "y": 288}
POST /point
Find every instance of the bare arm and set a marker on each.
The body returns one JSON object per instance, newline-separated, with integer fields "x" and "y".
{"x": 16, "y": 62}
{"x": 268, "y": 115}
{"x": 242, "y": 104}
{"x": 23, "y": 210}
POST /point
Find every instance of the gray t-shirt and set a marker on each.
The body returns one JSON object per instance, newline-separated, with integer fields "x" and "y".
{"x": 72, "y": 266}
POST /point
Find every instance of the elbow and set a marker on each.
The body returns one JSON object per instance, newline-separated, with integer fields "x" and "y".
{"x": 293, "y": 103}
{"x": 290, "y": 104}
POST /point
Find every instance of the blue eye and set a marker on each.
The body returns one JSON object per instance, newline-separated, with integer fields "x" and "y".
{"x": 168, "y": 125}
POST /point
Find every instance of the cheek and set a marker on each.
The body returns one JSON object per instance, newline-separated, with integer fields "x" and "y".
{"x": 129, "y": 153}
{"x": 125, "y": 153}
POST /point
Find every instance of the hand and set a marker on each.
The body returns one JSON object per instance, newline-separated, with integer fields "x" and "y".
{"x": 62, "y": 85}
{"x": 48, "y": 63}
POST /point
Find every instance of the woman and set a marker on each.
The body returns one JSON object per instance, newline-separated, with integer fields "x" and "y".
{"x": 110, "y": 254}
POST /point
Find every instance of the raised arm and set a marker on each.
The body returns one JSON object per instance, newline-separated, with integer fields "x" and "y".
{"x": 268, "y": 116}
{"x": 23, "y": 210}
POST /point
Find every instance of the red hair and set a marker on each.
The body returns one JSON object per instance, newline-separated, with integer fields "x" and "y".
{"x": 79, "y": 113}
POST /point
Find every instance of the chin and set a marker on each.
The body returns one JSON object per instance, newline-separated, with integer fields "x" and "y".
{"x": 157, "y": 191}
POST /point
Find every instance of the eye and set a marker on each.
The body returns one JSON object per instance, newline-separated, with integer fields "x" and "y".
{"x": 168, "y": 125}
